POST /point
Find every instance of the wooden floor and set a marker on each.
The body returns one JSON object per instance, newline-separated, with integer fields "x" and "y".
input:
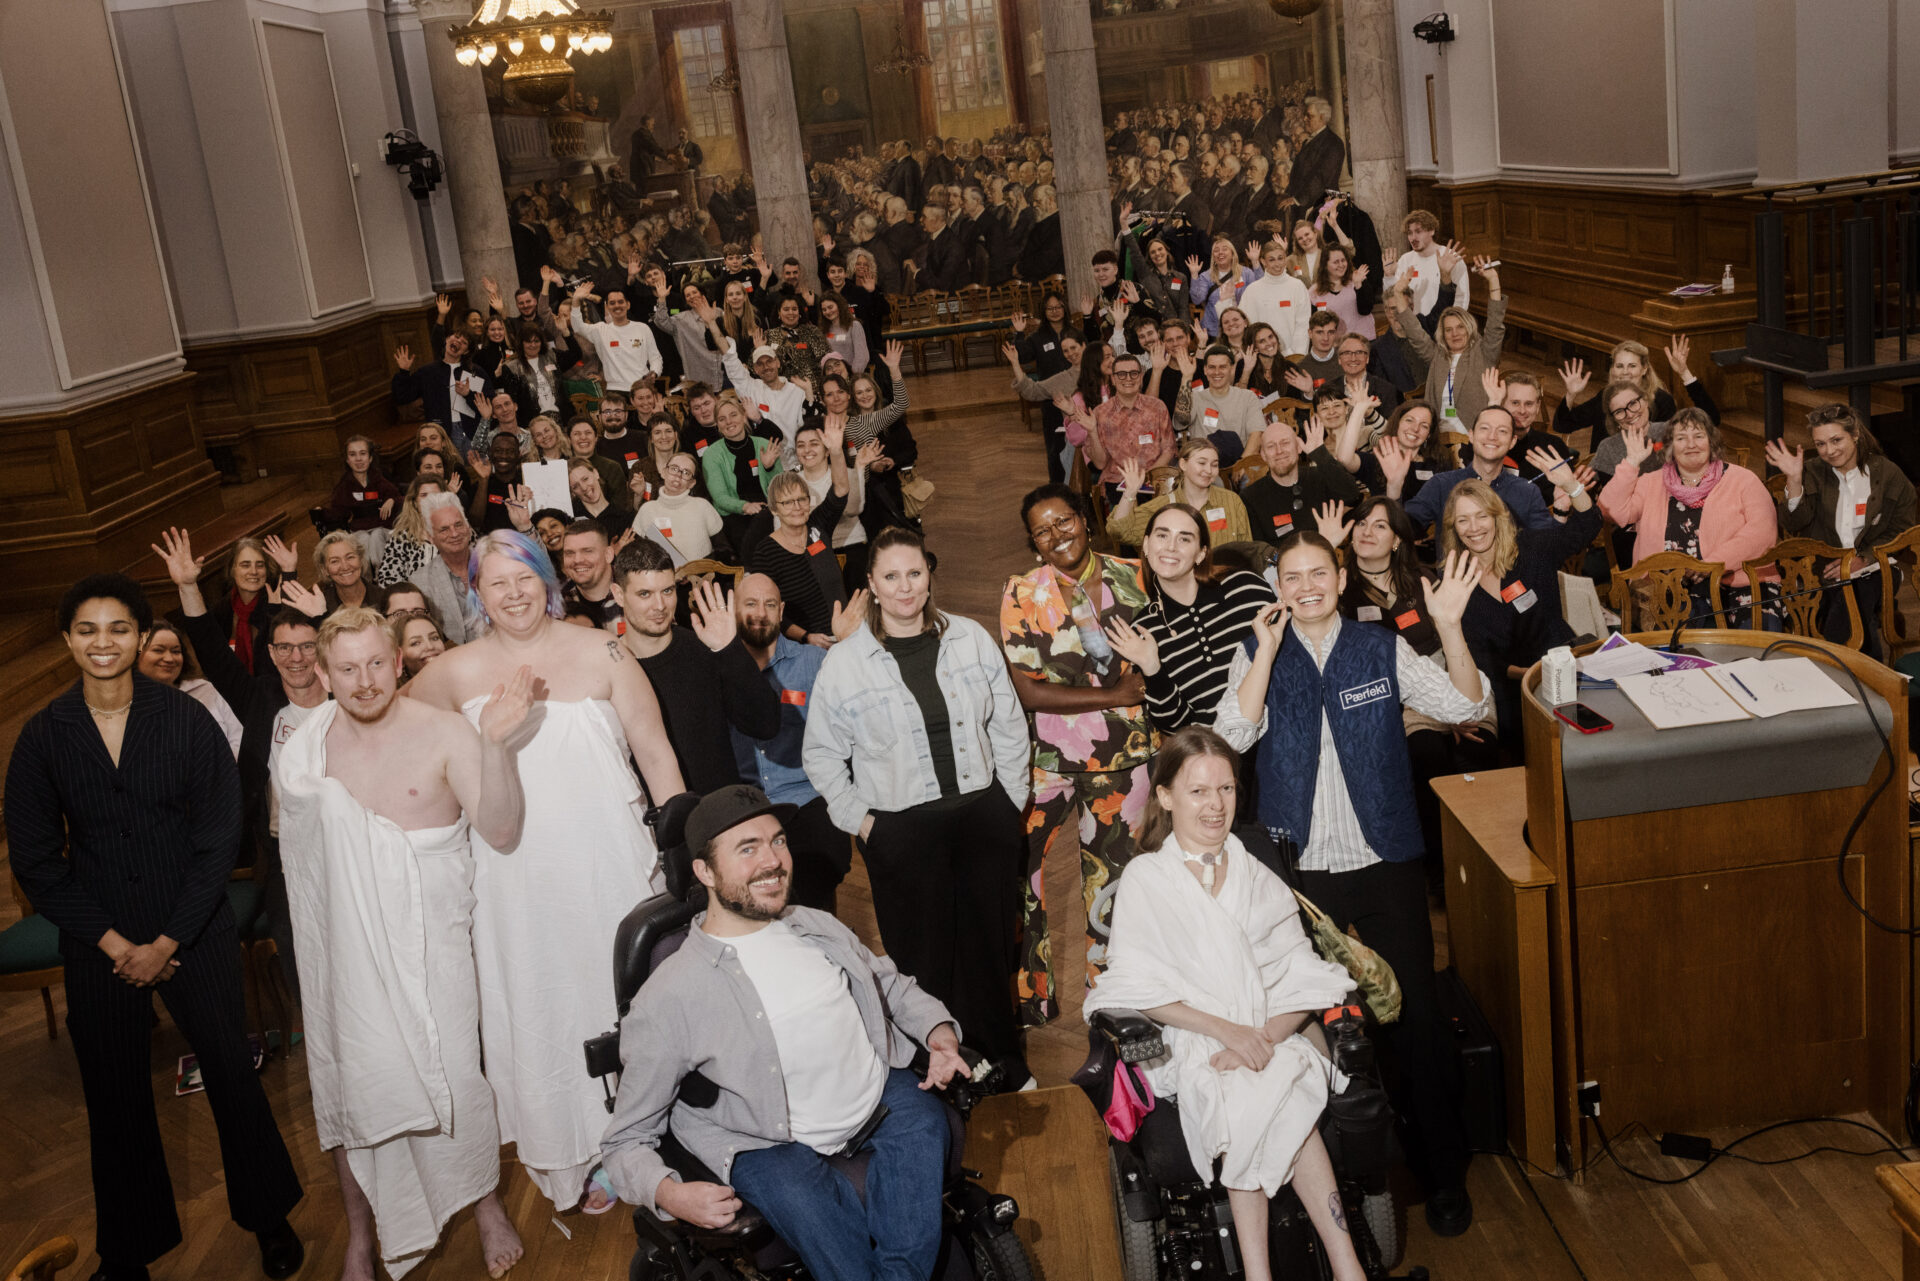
{"x": 1822, "y": 1217}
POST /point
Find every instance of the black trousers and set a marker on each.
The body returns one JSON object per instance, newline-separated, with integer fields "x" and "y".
{"x": 946, "y": 895}
{"x": 111, "y": 1023}
{"x": 821, "y": 855}
{"x": 1387, "y": 903}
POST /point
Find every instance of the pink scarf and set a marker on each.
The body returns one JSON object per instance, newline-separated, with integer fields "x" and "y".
{"x": 1692, "y": 495}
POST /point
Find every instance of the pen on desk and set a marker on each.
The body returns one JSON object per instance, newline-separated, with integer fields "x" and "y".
{"x": 1743, "y": 688}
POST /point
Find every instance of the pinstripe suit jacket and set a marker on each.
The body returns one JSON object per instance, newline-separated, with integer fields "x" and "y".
{"x": 144, "y": 848}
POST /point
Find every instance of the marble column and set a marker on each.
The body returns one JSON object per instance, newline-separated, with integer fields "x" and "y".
{"x": 1376, "y": 120}
{"x": 1079, "y": 140}
{"x": 773, "y": 134}
{"x": 472, "y": 165}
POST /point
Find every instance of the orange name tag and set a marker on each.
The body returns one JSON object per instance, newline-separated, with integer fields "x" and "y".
{"x": 1509, "y": 464}
{"x": 613, "y": 342}
{"x": 1860, "y": 509}
{"x": 794, "y": 697}
{"x": 1216, "y": 518}
{"x": 1286, "y": 302}
{"x": 1283, "y": 523}
{"x": 766, "y": 409}
{"x": 1513, "y": 591}
{"x": 1406, "y": 620}
{"x": 802, "y": 346}
{"x": 700, "y": 446}
{"x": 816, "y": 548}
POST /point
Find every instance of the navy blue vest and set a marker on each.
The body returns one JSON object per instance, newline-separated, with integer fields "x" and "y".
{"x": 1360, "y": 694}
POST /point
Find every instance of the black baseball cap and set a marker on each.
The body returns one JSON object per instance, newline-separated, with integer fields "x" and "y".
{"x": 723, "y": 810}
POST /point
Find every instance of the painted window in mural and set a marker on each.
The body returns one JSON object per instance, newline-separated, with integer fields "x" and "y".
{"x": 703, "y": 55}
{"x": 963, "y": 38}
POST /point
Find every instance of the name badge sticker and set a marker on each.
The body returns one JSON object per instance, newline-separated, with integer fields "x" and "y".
{"x": 1406, "y": 620}
{"x": 1216, "y": 518}
{"x": 794, "y": 697}
{"x": 1361, "y": 695}
{"x": 1368, "y": 613}
{"x": 1859, "y": 509}
{"x": 1519, "y": 595}
{"x": 1146, "y": 439}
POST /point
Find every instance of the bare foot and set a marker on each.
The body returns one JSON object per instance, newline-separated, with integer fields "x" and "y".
{"x": 359, "y": 1265}
{"x": 499, "y": 1243}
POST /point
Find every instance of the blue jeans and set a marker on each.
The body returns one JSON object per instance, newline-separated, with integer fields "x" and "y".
{"x": 895, "y": 1236}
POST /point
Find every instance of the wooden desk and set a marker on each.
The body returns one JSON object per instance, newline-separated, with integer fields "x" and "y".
{"x": 1497, "y": 938}
{"x": 1707, "y": 969}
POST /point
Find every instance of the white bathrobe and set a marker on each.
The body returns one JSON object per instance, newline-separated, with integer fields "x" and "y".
{"x": 1244, "y": 957}
{"x": 383, "y": 926}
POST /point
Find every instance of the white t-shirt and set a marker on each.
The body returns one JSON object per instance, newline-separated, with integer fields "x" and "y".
{"x": 627, "y": 352}
{"x": 285, "y": 721}
{"x": 689, "y": 522}
{"x": 834, "y": 1077}
{"x": 1422, "y": 273}
{"x": 1281, "y": 301}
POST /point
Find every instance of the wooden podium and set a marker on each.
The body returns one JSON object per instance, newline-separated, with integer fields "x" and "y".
{"x": 1706, "y": 968}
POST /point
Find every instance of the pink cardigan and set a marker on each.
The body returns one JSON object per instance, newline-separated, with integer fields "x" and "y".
{"x": 1737, "y": 522}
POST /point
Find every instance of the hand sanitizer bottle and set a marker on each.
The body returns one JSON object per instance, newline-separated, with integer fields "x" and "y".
{"x": 1726, "y": 280}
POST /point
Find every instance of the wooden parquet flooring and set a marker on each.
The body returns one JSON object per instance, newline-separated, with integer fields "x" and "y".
{"x": 1822, "y": 1217}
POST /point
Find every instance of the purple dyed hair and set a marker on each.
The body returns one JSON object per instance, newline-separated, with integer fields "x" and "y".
{"x": 517, "y": 547}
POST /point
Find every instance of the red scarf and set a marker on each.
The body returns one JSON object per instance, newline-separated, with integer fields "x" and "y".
{"x": 242, "y": 637}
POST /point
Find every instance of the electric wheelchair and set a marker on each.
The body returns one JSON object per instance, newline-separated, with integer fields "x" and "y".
{"x": 1174, "y": 1224}
{"x": 978, "y": 1244}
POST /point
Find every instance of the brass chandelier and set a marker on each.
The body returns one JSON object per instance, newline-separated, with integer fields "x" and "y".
{"x": 537, "y": 38}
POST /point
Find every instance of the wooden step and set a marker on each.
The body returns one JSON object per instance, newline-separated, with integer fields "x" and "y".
{"x": 269, "y": 506}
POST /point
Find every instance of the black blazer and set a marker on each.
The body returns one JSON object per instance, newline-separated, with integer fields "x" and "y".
{"x": 144, "y": 848}
{"x": 430, "y": 385}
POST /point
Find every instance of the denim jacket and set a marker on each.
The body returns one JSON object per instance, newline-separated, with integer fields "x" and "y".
{"x": 700, "y": 1012}
{"x": 866, "y": 746}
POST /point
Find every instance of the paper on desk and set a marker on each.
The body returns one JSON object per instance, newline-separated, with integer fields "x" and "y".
{"x": 548, "y": 481}
{"x": 1773, "y": 686}
{"x": 1675, "y": 700}
{"x": 1620, "y": 657}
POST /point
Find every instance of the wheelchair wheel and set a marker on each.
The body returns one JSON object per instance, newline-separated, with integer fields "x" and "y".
{"x": 1380, "y": 1212}
{"x": 1000, "y": 1258}
{"x": 1139, "y": 1243}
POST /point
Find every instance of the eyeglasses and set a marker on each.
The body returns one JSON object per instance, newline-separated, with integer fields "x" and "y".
{"x": 1126, "y": 373}
{"x": 306, "y": 649}
{"x": 679, "y": 471}
{"x": 1359, "y": 353}
{"x": 1059, "y": 531}
{"x": 1633, "y": 406}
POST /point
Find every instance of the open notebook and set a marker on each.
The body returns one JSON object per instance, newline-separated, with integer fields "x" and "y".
{"x": 1734, "y": 691}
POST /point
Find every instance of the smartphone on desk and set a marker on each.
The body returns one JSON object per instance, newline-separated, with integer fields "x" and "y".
{"x": 1582, "y": 718}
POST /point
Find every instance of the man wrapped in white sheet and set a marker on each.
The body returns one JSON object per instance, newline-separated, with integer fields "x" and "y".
{"x": 376, "y": 791}
{"x": 1208, "y": 943}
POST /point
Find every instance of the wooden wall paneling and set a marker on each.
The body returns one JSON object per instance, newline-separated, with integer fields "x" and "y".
{"x": 1547, "y": 835}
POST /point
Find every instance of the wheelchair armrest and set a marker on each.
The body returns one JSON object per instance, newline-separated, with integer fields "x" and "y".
{"x": 964, "y": 1091}
{"x": 1135, "y": 1037}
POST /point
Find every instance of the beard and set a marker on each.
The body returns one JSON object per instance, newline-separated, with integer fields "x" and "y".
{"x": 368, "y": 714}
{"x": 760, "y": 633}
{"x": 738, "y": 896}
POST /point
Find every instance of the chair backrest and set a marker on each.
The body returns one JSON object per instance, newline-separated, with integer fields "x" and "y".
{"x": 1777, "y": 485}
{"x": 584, "y": 403}
{"x": 1799, "y": 561}
{"x": 1250, "y": 468}
{"x": 646, "y": 936}
{"x": 1653, "y": 595}
{"x": 1163, "y": 479}
{"x": 695, "y": 568}
{"x": 1602, "y": 542}
{"x": 1901, "y": 550}
{"x": 45, "y": 1259}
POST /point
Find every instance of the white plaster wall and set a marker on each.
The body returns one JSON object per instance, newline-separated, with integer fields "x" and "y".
{"x": 33, "y": 377}
{"x": 1821, "y": 88}
{"x": 1463, "y": 100}
{"x": 1714, "y": 49}
{"x": 1903, "y": 69}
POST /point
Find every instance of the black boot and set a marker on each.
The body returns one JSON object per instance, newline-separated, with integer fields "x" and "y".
{"x": 281, "y": 1253}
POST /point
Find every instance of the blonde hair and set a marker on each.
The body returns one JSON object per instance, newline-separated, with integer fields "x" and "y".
{"x": 1506, "y": 534}
{"x": 1466, "y": 318}
{"x": 330, "y": 541}
{"x": 1650, "y": 383}
{"x": 350, "y": 621}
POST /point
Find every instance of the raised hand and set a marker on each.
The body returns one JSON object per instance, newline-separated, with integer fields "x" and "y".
{"x": 834, "y": 432}
{"x": 175, "y": 550}
{"x": 1011, "y": 355}
{"x": 1300, "y": 380}
{"x": 1452, "y": 256}
{"x": 1253, "y": 253}
{"x": 1132, "y": 476}
{"x": 1638, "y": 448}
{"x": 847, "y": 618}
{"x": 506, "y": 712}
{"x": 1493, "y": 384}
{"x": 492, "y": 287}
{"x": 282, "y": 555}
{"x": 1677, "y": 351}
{"x": 520, "y": 507}
{"x": 1331, "y": 517}
{"x": 1359, "y": 275}
{"x": 1790, "y": 463}
{"x": 1550, "y": 464}
{"x": 1134, "y": 644}
{"x": 1313, "y": 436}
{"x": 1270, "y": 626}
{"x": 868, "y": 454}
{"x": 308, "y": 600}
{"x": 1185, "y": 361}
{"x": 1574, "y": 377}
{"x": 711, "y": 612}
{"x": 1018, "y": 322}
{"x": 403, "y": 357}
{"x": 442, "y": 304}
{"x": 1193, "y": 266}
{"x": 1126, "y": 208}
{"x": 1447, "y": 599}
{"x": 891, "y": 356}
{"x": 1394, "y": 458}
{"x": 481, "y": 464}
{"x": 620, "y": 544}
{"x": 769, "y": 455}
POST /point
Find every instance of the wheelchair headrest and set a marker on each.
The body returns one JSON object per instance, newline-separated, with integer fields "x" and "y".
{"x": 670, "y": 834}
{"x": 648, "y": 935}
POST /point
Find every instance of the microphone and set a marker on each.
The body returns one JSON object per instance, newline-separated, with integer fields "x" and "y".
{"x": 1673, "y": 642}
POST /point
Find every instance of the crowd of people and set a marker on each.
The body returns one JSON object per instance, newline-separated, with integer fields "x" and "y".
{"x": 653, "y": 574}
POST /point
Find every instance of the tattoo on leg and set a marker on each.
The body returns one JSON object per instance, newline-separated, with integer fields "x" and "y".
{"x": 1339, "y": 1211}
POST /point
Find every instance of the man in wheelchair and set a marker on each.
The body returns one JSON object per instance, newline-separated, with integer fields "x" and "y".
{"x": 796, "y": 1040}
{"x": 1208, "y": 943}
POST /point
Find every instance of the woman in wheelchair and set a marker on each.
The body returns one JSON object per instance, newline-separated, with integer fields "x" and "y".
{"x": 1208, "y": 942}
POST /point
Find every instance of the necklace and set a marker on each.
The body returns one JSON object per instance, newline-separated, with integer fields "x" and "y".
{"x": 1207, "y": 864}
{"x": 106, "y": 715}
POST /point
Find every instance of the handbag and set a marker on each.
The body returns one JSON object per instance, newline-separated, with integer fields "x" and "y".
{"x": 915, "y": 491}
{"x": 1119, "y": 1089}
{"x": 1373, "y": 975}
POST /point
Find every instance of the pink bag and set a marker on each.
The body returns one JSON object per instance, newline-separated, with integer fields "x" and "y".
{"x": 1130, "y": 1102}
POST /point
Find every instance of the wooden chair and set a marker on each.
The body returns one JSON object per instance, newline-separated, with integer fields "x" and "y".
{"x": 1652, "y": 596}
{"x": 1891, "y": 555}
{"x": 1799, "y": 561}
{"x": 1163, "y": 479}
{"x": 30, "y": 958}
{"x": 1777, "y": 486}
{"x": 584, "y": 403}
{"x": 1576, "y": 564}
{"x": 696, "y": 568}
{"x": 259, "y": 955}
{"x": 45, "y": 1259}
{"x": 1244, "y": 472}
